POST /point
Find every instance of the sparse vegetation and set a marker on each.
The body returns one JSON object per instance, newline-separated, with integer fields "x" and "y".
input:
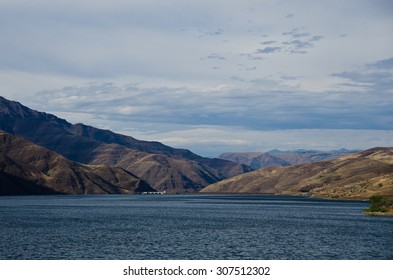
{"x": 380, "y": 204}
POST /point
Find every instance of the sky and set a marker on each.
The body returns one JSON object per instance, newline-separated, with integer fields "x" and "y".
{"x": 209, "y": 76}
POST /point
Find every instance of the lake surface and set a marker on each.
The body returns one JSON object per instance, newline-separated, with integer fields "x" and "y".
{"x": 190, "y": 227}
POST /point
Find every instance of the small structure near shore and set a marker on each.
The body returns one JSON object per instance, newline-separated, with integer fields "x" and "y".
{"x": 150, "y": 192}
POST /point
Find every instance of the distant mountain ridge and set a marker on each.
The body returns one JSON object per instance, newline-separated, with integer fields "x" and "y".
{"x": 257, "y": 160}
{"x": 26, "y": 168}
{"x": 163, "y": 167}
{"x": 353, "y": 176}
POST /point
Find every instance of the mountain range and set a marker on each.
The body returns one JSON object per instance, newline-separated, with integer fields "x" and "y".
{"x": 354, "y": 176}
{"x": 43, "y": 154}
{"x": 257, "y": 160}
{"x": 164, "y": 168}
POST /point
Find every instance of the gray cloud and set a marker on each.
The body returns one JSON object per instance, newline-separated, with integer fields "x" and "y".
{"x": 268, "y": 42}
{"x": 288, "y": 77}
{"x": 382, "y": 64}
{"x": 366, "y": 78}
{"x": 215, "y": 56}
{"x": 300, "y": 41}
{"x": 268, "y": 50}
{"x": 216, "y": 32}
{"x": 316, "y": 38}
{"x": 298, "y": 44}
{"x": 298, "y": 52}
{"x": 299, "y": 35}
{"x": 251, "y": 68}
{"x": 375, "y": 81}
{"x": 238, "y": 79}
{"x": 296, "y": 33}
{"x": 251, "y": 109}
{"x": 374, "y": 77}
{"x": 252, "y": 56}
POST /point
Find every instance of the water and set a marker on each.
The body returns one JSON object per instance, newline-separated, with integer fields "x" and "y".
{"x": 190, "y": 227}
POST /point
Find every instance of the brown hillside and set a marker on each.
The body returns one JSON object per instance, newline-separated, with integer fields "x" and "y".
{"x": 26, "y": 168}
{"x": 356, "y": 176}
{"x": 171, "y": 174}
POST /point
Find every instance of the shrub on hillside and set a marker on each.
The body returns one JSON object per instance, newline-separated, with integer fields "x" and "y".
{"x": 378, "y": 203}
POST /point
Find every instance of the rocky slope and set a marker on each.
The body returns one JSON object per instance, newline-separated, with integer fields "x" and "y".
{"x": 26, "y": 168}
{"x": 163, "y": 167}
{"x": 355, "y": 176}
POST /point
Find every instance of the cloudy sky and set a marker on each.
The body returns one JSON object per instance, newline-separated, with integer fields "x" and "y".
{"x": 210, "y": 76}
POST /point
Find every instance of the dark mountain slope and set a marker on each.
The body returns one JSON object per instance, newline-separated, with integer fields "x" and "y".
{"x": 26, "y": 168}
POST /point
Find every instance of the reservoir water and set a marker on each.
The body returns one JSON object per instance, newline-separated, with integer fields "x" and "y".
{"x": 190, "y": 227}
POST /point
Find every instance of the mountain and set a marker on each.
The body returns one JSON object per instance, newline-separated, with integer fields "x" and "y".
{"x": 257, "y": 160}
{"x": 354, "y": 176}
{"x": 303, "y": 156}
{"x": 163, "y": 167}
{"x": 26, "y": 168}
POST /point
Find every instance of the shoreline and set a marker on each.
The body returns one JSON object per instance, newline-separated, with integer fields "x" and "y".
{"x": 383, "y": 214}
{"x": 195, "y": 193}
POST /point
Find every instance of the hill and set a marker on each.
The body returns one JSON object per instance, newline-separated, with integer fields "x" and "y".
{"x": 26, "y": 168}
{"x": 163, "y": 167}
{"x": 257, "y": 160}
{"x": 355, "y": 176}
{"x": 304, "y": 156}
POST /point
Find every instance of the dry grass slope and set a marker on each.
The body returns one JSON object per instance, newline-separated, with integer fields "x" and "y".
{"x": 356, "y": 176}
